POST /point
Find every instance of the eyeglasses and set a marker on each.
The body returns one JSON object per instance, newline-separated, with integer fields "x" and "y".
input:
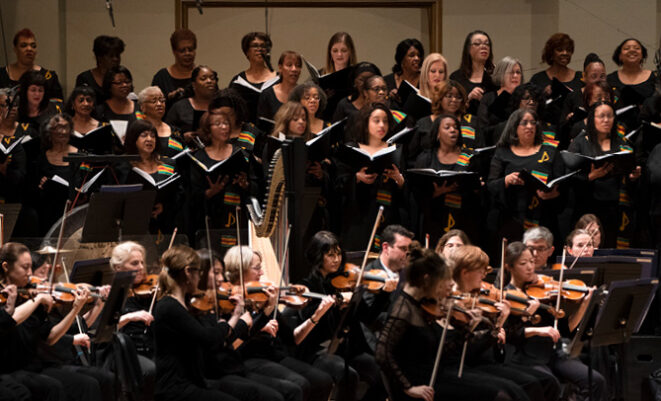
{"x": 378, "y": 89}
{"x": 257, "y": 268}
{"x": 157, "y": 100}
{"x": 478, "y": 44}
{"x": 529, "y": 99}
{"x": 524, "y": 123}
{"x": 540, "y": 248}
{"x": 258, "y": 46}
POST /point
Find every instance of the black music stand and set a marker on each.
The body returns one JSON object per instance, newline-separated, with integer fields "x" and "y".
{"x": 115, "y": 213}
{"x": 112, "y": 311}
{"x": 10, "y": 211}
{"x": 612, "y": 316}
{"x": 95, "y": 272}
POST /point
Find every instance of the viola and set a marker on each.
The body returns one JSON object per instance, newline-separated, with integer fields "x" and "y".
{"x": 61, "y": 292}
{"x": 147, "y": 286}
{"x": 545, "y": 288}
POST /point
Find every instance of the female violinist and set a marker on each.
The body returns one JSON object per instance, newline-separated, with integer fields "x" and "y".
{"x": 470, "y": 266}
{"x": 534, "y": 343}
{"x": 579, "y": 243}
{"x": 317, "y": 322}
{"x": 450, "y": 242}
{"x": 266, "y": 352}
{"x": 180, "y": 339}
{"x": 34, "y": 332}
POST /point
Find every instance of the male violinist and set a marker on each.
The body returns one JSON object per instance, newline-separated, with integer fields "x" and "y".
{"x": 540, "y": 242}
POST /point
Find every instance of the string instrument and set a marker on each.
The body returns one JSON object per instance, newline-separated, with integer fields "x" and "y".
{"x": 346, "y": 278}
{"x": 437, "y": 310}
{"x": 146, "y": 287}
{"x": 61, "y": 292}
{"x": 545, "y": 289}
{"x": 204, "y": 301}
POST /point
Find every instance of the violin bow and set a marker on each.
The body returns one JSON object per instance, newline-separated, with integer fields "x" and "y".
{"x": 158, "y": 286}
{"x": 561, "y": 278}
{"x": 79, "y": 350}
{"x": 427, "y": 241}
{"x": 283, "y": 263}
{"x": 460, "y": 372}
{"x": 215, "y": 287}
{"x": 439, "y": 351}
{"x": 59, "y": 245}
{"x": 369, "y": 245}
{"x": 238, "y": 241}
{"x": 502, "y": 267}
{"x": 573, "y": 263}
{"x": 2, "y": 229}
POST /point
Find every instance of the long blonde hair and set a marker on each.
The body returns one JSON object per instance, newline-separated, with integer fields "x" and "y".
{"x": 425, "y": 90}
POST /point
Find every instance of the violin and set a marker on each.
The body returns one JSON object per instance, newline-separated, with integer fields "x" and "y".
{"x": 519, "y": 299}
{"x": 345, "y": 279}
{"x": 204, "y": 302}
{"x": 438, "y": 310}
{"x": 147, "y": 286}
{"x": 61, "y": 292}
{"x": 545, "y": 288}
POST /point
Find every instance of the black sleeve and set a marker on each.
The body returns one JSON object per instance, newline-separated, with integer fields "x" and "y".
{"x": 390, "y": 338}
{"x": 175, "y": 318}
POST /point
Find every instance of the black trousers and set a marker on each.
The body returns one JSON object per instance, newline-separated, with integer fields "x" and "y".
{"x": 12, "y": 390}
{"x": 274, "y": 375}
{"x": 41, "y": 387}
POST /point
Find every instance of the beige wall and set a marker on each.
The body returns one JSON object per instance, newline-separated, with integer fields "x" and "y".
{"x": 65, "y": 30}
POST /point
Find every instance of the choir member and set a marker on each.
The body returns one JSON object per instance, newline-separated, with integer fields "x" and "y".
{"x": 408, "y": 59}
{"x": 474, "y": 73}
{"x": 433, "y": 72}
{"x": 184, "y": 113}
{"x": 523, "y": 147}
{"x": 594, "y": 71}
{"x": 630, "y": 55}
{"x": 174, "y": 79}
{"x": 108, "y": 54}
{"x": 592, "y": 93}
{"x": 446, "y": 206}
{"x": 244, "y": 133}
{"x": 557, "y": 53}
{"x": 341, "y": 53}
{"x": 34, "y": 107}
{"x": 80, "y": 107}
{"x": 25, "y": 48}
{"x": 508, "y": 74}
{"x": 313, "y": 98}
{"x": 289, "y": 69}
{"x": 349, "y": 106}
{"x": 152, "y": 105}
{"x": 13, "y": 168}
{"x": 603, "y": 190}
{"x": 366, "y": 191}
{"x": 118, "y": 109}
{"x": 256, "y": 46}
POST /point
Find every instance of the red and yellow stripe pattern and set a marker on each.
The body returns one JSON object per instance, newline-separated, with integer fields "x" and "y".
{"x": 247, "y": 137}
{"x": 398, "y": 116}
{"x": 165, "y": 169}
{"x": 453, "y": 200}
{"x": 227, "y": 241}
{"x": 467, "y": 132}
{"x": 232, "y": 199}
{"x": 384, "y": 197}
{"x": 543, "y": 177}
{"x": 174, "y": 144}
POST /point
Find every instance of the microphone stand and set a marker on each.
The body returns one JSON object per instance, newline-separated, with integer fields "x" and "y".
{"x": 110, "y": 12}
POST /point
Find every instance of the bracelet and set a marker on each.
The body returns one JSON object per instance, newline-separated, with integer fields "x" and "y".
{"x": 312, "y": 321}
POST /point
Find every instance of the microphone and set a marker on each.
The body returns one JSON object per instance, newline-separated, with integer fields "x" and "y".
{"x": 266, "y": 55}
{"x": 198, "y": 4}
{"x": 110, "y": 12}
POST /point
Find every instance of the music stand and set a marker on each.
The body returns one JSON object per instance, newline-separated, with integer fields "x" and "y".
{"x": 113, "y": 214}
{"x": 112, "y": 311}
{"x": 10, "y": 211}
{"x": 95, "y": 272}
{"x": 613, "y": 316}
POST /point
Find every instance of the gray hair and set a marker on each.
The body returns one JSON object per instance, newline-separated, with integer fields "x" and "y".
{"x": 122, "y": 252}
{"x": 235, "y": 258}
{"x": 148, "y": 91}
{"x": 538, "y": 233}
{"x": 503, "y": 67}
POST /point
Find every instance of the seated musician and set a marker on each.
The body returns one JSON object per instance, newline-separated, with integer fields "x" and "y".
{"x": 319, "y": 320}
{"x": 32, "y": 331}
{"x": 540, "y": 242}
{"x": 450, "y": 242}
{"x": 180, "y": 339}
{"x": 404, "y": 349}
{"x": 470, "y": 267}
{"x": 266, "y": 352}
{"x": 579, "y": 243}
{"x": 535, "y": 342}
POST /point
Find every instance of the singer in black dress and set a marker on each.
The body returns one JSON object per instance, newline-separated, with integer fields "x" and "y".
{"x": 108, "y": 53}
{"x": 289, "y": 69}
{"x": 173, "y": 80}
